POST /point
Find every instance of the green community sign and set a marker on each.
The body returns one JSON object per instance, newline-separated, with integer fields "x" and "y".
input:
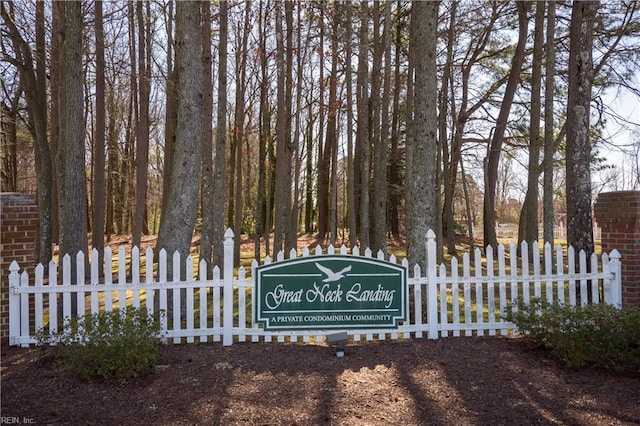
{"x": 330, "y": 292}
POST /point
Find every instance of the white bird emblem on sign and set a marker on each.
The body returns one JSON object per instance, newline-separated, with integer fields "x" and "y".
{"x": 332, "y": 276}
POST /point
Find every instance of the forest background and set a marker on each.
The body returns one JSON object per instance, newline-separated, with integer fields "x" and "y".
{"x": 353, "y": 121}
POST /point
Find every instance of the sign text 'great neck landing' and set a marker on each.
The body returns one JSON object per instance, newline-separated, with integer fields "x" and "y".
{"x": 330, "y": 292}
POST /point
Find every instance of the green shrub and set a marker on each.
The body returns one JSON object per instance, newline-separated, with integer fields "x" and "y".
{"x": 110, "y": 346}
{"x": 600, "y": 335}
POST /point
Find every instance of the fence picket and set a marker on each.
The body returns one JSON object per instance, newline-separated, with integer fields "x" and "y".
{"x": 242, "y": 294}
{"x": 80, "y": 300}
{"x": 38, "y": 306}
{"x": 216, "y": 303}
{"x": 53, "y": 298}
{"x": 477, "y": 260}
{"x": 122, "y": 277}
{"x": 148, "y": 279}
{"x": 466, "y": 273}
{"x": 537, "y": 285}
{"x": 595, "y": 290}
{"x": 513, "y": 284}
{"x": 583, "y": 282}
{"x": 202, "y": 299}
{"x": 548, "y": 272}
{"x": 95, "y": 279}
{"x": 135, "y": 276}
{"x": 189, "y": 302}
{"x": 417, "y": 300}
{"x": 503, "y": 285}
{"x": 560, "y": 271}
{"x": 66, "y": 282}
{"x": 176, "y": 308}
{"x": 162, "y": 303}
{"x": 524, "y": 248}
{"x": 444, "y": 305}
{"x": 24, "y": 304}
{"x": 491, "y": 301}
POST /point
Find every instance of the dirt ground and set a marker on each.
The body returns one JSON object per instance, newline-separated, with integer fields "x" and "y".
{"x": 451, "y": 381}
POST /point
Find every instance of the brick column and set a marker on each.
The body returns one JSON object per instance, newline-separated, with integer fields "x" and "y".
{"x": 618, "y": 214}
{"x": 18, "y": 236}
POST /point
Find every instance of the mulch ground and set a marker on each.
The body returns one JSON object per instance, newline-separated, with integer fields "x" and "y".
{"x": 451, "y": 381}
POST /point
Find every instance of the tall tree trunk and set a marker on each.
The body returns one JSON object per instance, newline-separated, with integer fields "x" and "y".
{"x": 447, "y": 180}
{"x": 238, "y": 128}
{"x": 99, "y": 139}
{"x": 422, "y": 144}
{"x": 548, "y": 217}
{"x": 322, "y": 202}
{"x": 264, "y": 135}
{"x": 170, "y": 117}
{"x": 290, "y": 225}
{"x": 362, "y": 141}
{"x": 71, "y": 151}
{"x": 578, "y": 161}
{"x": 394, "y": 156}
{"x": 351, "y": 197}
{"x": 112, "y": 164}
{"x": 283, "y": 138}
{"x": 528, "y": 223}
{"x": 54, "y": 116}
{"x": 380, "y": 107}
{"x": 298, "y": 132}
{"x": 208, "y": 206}
{"x": 326, "y": 169}
{"x": 142, "y": 127}
{"x": 177, "y": 224}
{"x": 219, "y": 173}
{"x": 308, "y": 173}
{"x": 493, "y": 157}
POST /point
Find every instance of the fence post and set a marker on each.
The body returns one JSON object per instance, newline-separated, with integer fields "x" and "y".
{"x": 227, "y": 332}
{"x": 14, "y": 304}
{"x": 615, "y": 269}
{"x": 432, "y": 286}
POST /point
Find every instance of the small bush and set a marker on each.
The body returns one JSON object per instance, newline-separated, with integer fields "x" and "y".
{"x": 110, "y": 346}
{"x": 600, "y": 335}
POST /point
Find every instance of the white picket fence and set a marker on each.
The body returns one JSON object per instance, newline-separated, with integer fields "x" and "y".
{"x": 469, "y": 298}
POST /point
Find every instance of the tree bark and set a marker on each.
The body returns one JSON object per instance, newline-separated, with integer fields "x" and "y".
{"x": 351, "y": 197}
{"x": 528, "y": 223}
{"x": 381, "y": 140}
{"x": 422, "y": 143}
{"x": 208, "y": 206}
{"x": 363, "y": 144}
{"x": 283, "y": 138}
{"x": 142, "y": 127}
{"x": 176, "y": 226}
{"x": 72, "y": 193}
{"x": 548, "y": 216}
{"x": 219, "y": 166}
{"x": 238, "y": 129}
{"x": 99, "y": 139}
{"x": 578, "y": 160}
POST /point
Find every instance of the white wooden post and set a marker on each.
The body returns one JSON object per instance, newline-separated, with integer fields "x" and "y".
{"x": 432, "y": 286}
{"x": 227, "y": 330}
{"x": 615, "y": 269}
{"x": 14, "y": 303}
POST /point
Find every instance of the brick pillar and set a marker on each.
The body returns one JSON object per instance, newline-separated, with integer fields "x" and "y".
{"x": 618, "y": 214}
{"x": 18, "y": 236}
